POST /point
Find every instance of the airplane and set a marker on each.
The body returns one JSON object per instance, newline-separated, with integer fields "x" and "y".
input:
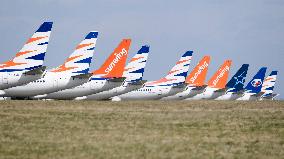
{"x": 108, "y": 76}
{"x": 236, "y": 85}
{"x": 27, "y": 65}
{"x": 253, "y": 88}
{"x": 73, "y": 72}
{"x": 133, "y": 73}
{"x": 195, "y": 81}
{"x": 216, "y": 84}
{"x": 268, "y": 86}
{"x": 169, "y": 85}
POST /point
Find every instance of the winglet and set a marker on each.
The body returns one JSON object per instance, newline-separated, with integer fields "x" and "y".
{"x": 219, "y": 79}
{"x": 115, "y": 63}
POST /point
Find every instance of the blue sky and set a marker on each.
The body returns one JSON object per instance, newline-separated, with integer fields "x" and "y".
{"x": 246, "y": 31}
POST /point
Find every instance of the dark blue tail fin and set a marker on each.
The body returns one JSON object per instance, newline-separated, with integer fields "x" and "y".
{"x": 237, "y": 81}
{"x": 254, "y": 86}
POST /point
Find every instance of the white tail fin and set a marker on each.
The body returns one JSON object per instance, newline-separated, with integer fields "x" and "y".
{"x": 177, "y": 74}
{"x": 79, "y": 61}
{"x": 31, "y": 56}
{"x": 135, "y": 68}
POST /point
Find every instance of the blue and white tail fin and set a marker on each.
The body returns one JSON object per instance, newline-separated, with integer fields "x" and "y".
{"x": 177, "y": 74}
{"x": 78, "y": 63}
{"x": 254, "y": 86}
{"x": 237, "y": 81}
{"x": 268, "y": 84}
{"x": 135, "y": 68}
{"x": 31, "y": 56}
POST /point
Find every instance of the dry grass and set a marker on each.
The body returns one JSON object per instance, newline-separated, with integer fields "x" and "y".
{"x": 149, "y": 129}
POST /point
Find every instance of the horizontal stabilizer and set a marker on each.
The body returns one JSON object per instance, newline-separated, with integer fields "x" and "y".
{"x": 140, "y": 82}
{"x": 88, "y": 75}
{"x": 181, "y": 85}
{"x": 36, "y": 71}
{"x": 199, "y": 88}
{"x": 221, "y": 90}
{"x": 258, "y": 94}
{"x": 239, "y": 92}
{"x": 117, "y": 79}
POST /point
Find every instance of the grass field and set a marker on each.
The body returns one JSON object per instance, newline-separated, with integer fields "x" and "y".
{"x": 149, "y": 129}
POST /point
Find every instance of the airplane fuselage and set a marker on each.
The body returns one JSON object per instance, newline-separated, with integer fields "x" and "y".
{"x": 151, "y": 93}
{"x": 49, "y": 83}
{"x": 88, "y": 88}
{"x": 12, "y": 79}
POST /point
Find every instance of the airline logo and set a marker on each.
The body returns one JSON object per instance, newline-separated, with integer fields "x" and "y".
{"x": 219, "y": 79}
{"x": 79, "y": 61}
{"x": 268, "y": 84}
{"x": 227, "y": 68}
{"x": 115, "y": 63}
{"x": 32, "y": 54}
{"x": 254, "y": 86}
{"x": 256, "y": 83}
{"x": 118, "y": 56}
{"x": 200, "y": 69}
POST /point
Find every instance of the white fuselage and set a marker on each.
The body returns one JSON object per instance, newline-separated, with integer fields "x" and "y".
{"x": 88, "y": 88}
{"x": 12, "y": 79}
{"x": 50, "y": 82}
{"x": 229, "y": 96}
{"x": 122, "y": 89}
{"x": 151, "y": 93}
{"x": 248, "y": 96}
{"x": 208, "y": 93}
{"x": 187, "y": 93}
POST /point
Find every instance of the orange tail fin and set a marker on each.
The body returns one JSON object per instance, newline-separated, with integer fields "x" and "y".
{"x": 198, "y": 75}
{"x": 219, "y": 79}
{"x": 114, "y": 65}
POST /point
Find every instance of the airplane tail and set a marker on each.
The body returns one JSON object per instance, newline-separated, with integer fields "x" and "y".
{"x": 31, "y": 56}
{"x": 135, "y": 68}
{"x": 254, "y": 86}
{"x": 198, "y": 75}
{"x": 237, "y": 81}
{"x": 78, "y": 63}
{"x": 177, "y": 75}
{"x": 115, "y": 63}
{"x": 219, "y": 79}
{"x": 268, "y": 84}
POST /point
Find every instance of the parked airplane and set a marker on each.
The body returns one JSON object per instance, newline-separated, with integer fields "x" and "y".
{"x": 26, "y": 66}
{"x": 268, "y": 86}
{"x": 195, "y": 81}
{"x": 236, "y": 85}
{"x": 133, "y": 73}
{"x": 73, "y": 72}
{"x": 217, "y": 83}
{"x": 253, "y": 88}
{"x": 169, "y": 85}
{"x": 108, "y": 76}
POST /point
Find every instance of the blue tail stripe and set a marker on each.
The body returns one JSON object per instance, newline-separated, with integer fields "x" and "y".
{"x": 38, "y": 56}
{"x": 86, "y": 60}
{"x": 45, "y": 27}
